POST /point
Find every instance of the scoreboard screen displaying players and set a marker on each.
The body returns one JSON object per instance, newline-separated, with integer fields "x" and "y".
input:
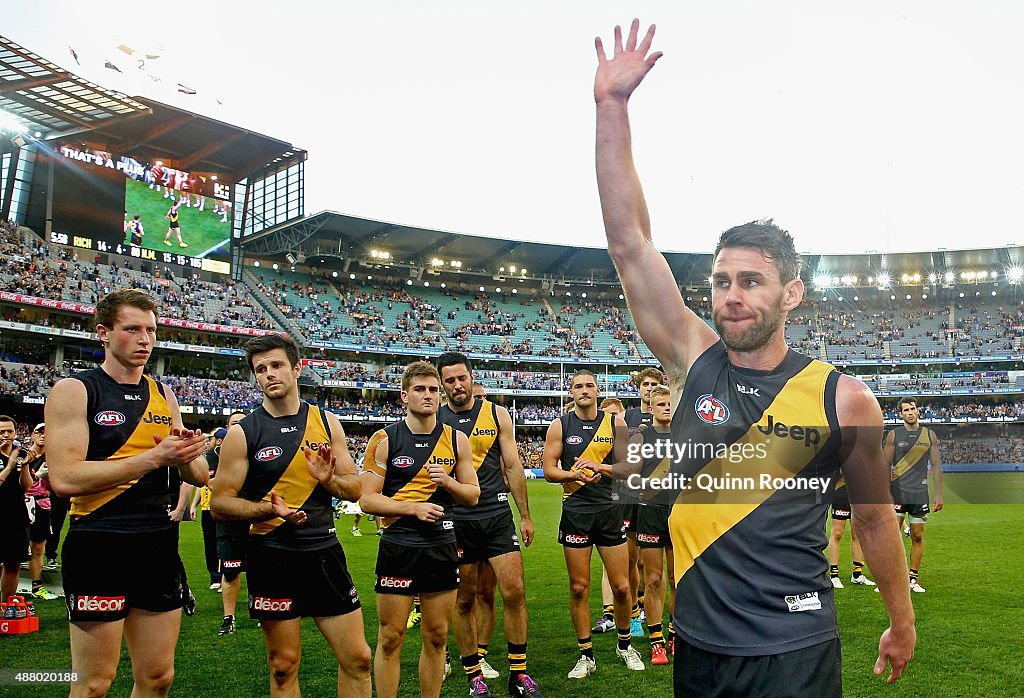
{"x": 146, "y": 210}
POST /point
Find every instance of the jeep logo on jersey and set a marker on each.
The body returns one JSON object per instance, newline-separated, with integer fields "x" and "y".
{"x": 269, "y": 453}
{"x": 711, "y": 410}
{"x": 809, "y": 435}
{"x": 485, "y": 432}
{"x": 574, "y": 440}
{"x": 402, "y": 461}
{"x": 109, "y": 418}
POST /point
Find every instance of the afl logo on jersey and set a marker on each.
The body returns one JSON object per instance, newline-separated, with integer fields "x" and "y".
{"x": 402, "y": 461}
{"x": 269, "y": 453}
{"x": 711, "y": 410}
{"x": 574, "y": 440}
{"x": 109, "y": 418}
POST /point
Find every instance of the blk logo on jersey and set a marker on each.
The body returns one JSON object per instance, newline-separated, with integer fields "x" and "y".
{"x": 269, "y": 453}
{"x": 402, "y": 461}
{"x": 711, "y": 410}
{"x": 574, "y": 440}
{"x": 109, "y": 418}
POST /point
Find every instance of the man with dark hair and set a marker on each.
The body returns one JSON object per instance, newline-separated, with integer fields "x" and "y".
{"x": 118, "y": 448}
{"x": 910, "y": 448}
{"x": 14, "y": 480}
{"x": 418, "y": 471}
{"x": 486, "y": 533}
{"x": 591, "y": 515}
{"x": 279, "y": 468}
{"x": 754, "y": 606}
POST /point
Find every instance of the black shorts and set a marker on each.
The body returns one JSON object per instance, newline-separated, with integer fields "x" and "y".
{"x": 231, "y": 551}
{"x": 652, "y": 527}
{"x": 39, "y": 530}
{"x": 286, "y": 584}
{"x": 915, "y": 508}
{"x": 841, "y": 505}
{"x": 482, "y": 539}
{"x": 408, "y": 570}
{"x": 108, "y": 574}
{"x": 630, "y": 514}
{"x": 13, "y": 541}
{"x": 605, "y": 528}
{"x": 812, "y": 671}
{"x": 174, "y": 225}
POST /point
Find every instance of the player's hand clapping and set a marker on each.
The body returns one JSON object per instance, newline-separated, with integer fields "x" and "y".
{"x": 320, "y": 462}
{"x": 296, "y": 517}
{"x": 429, "y": 512}
{"x": 180, "y": 447}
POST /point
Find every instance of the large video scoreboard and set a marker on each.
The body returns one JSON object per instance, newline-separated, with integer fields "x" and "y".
{"x": 146, "y": 210}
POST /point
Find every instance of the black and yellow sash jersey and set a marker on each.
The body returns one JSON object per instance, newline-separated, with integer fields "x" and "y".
{"x": 749, "y": 532}
{"x": 655, "y": 468}
{"x": 123, "y": 419}
{"x": 173, "y": 215}
{"x": 910, "y": 462}
{"x": 406, "y": 480}
{"x": 277, "y": 462}
{"x": 593, "y": 440}
{"x": 480, "y": 424}
{"x": 635, "y": 416}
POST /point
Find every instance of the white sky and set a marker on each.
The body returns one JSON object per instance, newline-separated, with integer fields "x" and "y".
{"x": 878, "y": 125}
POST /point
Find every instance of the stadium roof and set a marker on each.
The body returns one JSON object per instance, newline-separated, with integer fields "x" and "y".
{"x": 329, "y": 235}
{"x": 52, "y": 101}
{"x": 328, "y": 238}
{"x": 189, "y": 141}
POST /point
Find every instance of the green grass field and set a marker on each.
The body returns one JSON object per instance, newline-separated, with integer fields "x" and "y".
{"x": 969, "y": 622}
{"x": 202, "y": 230}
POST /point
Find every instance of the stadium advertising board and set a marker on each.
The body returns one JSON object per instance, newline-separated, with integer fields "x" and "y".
{"x": 119, "y": 205}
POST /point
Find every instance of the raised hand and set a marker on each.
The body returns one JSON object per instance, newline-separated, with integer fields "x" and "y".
{"x": 617, "y": 77}
{"x": 292, "y": 516}
{"x": 320, "y": 462}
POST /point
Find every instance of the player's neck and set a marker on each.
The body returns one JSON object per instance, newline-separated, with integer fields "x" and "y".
{"x": 586, "y": 413}
{"x": 421, "y": 423}
{"x": 764, "y": 358}
{"x": 470, "y": 404}
{"x": 645, "y": 408}
{"x": 286, "y": 406}
{"x": 126, "y": 375}
{"x": 915, "y": 427}
{"x": 662, "y": 426}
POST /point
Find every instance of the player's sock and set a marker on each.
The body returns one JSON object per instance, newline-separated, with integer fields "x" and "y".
{"x": 624, "y": 636}
{"x": 37, "y": 584}
{"x": 833, "y": 571}
{"x": 517, "y": 659}
{"x": 640, "y": 599}
{"x": 586, "y": 645}
{"x": 635, "y": 613}
{"x": 913, "y": 575}
{"x": 657, "y": 638}
{"x": 609, "y": 612}
{"x": 481, "y": 651}
{"x": 858, "y": 568}
{"x": 471, "y": 665}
